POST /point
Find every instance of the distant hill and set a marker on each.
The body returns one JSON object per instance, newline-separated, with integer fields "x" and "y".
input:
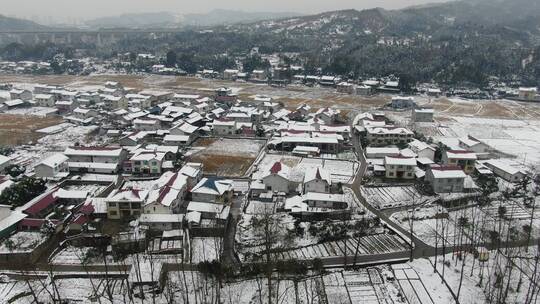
{"x": 425, "y": 19}
{"x": 170, "y": 20}
{"x": 220, "y": 17}
{"x": 15, "y": 24}
{"x": 144, "y": 20}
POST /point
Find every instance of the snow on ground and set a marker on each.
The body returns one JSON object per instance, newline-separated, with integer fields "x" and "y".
{"x": 31, "y": 155}
{"x": 520, "y": 138}
{"x": 392, "y": 197}
{"x": 479, "y": 277}
{"x": 347, "y": 287}
{"x": 79, "y": 255}
{"x": 22, "y": 241}
{"x": 205, "y": 249}
{"x": 37, "y": 111}
{"x": 237, "y": 147}
{"x": 421, "y": 269}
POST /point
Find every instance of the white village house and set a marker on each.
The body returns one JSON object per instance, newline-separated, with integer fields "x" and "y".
{"x": 53, "y": 166}
{"x": 277, "y": 178}
{"x": 446, "y": 179}
{"x": 317, "y": 180}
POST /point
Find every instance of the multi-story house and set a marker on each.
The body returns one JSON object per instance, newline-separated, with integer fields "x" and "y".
{"x": 223, "y": 127}
{"x": 385, "y": 136}
{"x": 147, "y": 163}
{"x": 53, "y": 166}
{"x": 317, "y": 180}
{"x": 446, "y": 179}
{"x": 125, "y": 204}
{"x": 462, "y": 158}
{"x": 399, "y": 167}
{"x": 95, "y": 159}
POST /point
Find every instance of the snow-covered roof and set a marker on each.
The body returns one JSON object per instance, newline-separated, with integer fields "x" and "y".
{"x": 468, "y": 142}
{"x": 189, "y": 171}
{"x": 417, "y": 146}
{"x": 176, "y": 138}
{"x": 460, "y": 154}
{"x": 187, "y": 128}
{"x": 314, "y": 196}
{"x": 14, "y": 102}
{"x": 389, "y": 130}
{"x": 447, "y": 172}
{"x": 145, "y": 122}
{"x": 205, "y": 207}
{"x": 148, "y": 155}
{"x": 43, "y": 96}
{"x": 213, "y": 186}
{"x": 160, "y": 218}
{"x": 223, "y": 122}
{"x": 317, "y": 173}
{"x": 382, "y": 150}
{"x": 71, "y": 194}
{"x": 132, "y": 195}
{"x": 4, "y": 159}
{"x": 279, "y": 169}
{"x": 94, "y": 151}
{"x": 54, "y": 160}
{"x": 400, "y": 161}
{"x": 186, "y": 96}
{"x": 505, "y": 166}
{"x": 97, "y": 166}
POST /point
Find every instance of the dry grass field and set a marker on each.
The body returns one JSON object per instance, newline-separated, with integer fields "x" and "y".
{"x": 226, "y": 157}
{"x": 20, "y": 129}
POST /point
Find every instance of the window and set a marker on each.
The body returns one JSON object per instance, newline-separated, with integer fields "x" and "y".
{"x": 113, "y": 213}
{"x": 391, "y": 174}
{"x": 154, "y": 163}
{"x": 112, "y": 204}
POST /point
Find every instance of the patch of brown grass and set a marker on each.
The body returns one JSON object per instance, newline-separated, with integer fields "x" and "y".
{"x": 20, "y": 129}
{"x": 204, "y": 142}
{"x": 224, "y": 165}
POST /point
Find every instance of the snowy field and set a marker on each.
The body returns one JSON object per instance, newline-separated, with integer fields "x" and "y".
{"x": 37, "y": 111}
{"x": 393, "y": 197}
{"x": 205, "y": 249}
{"x": 340, "y": 287}
{"x": 367, "y": 245}
{"x": 520, "y": 138}
{"x": 31, "y": 155}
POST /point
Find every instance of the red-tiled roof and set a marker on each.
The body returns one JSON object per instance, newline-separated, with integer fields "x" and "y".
{"x": 80, "y": 219}
{"x": 35, "y": 223}
{"x": 87, "y": 209}
{"x": 275, "y": 168}
{"x": 42, "y": 204}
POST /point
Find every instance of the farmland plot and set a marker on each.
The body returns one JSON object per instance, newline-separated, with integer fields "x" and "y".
{"x": 226, "y": 157}
{"x": 372, "y": 244}
{"x": 392, "y": 197}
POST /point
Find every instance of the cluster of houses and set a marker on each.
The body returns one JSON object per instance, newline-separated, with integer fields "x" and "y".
{"x": 139, "y": 175}
{"x": 394, "y": 154}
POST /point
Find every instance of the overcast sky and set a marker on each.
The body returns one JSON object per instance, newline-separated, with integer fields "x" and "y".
{"x": 41, "y": 10}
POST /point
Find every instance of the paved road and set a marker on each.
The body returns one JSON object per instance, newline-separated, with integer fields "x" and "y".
{"x": 229, "y": 256}
{"x": 419, "y": 245}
